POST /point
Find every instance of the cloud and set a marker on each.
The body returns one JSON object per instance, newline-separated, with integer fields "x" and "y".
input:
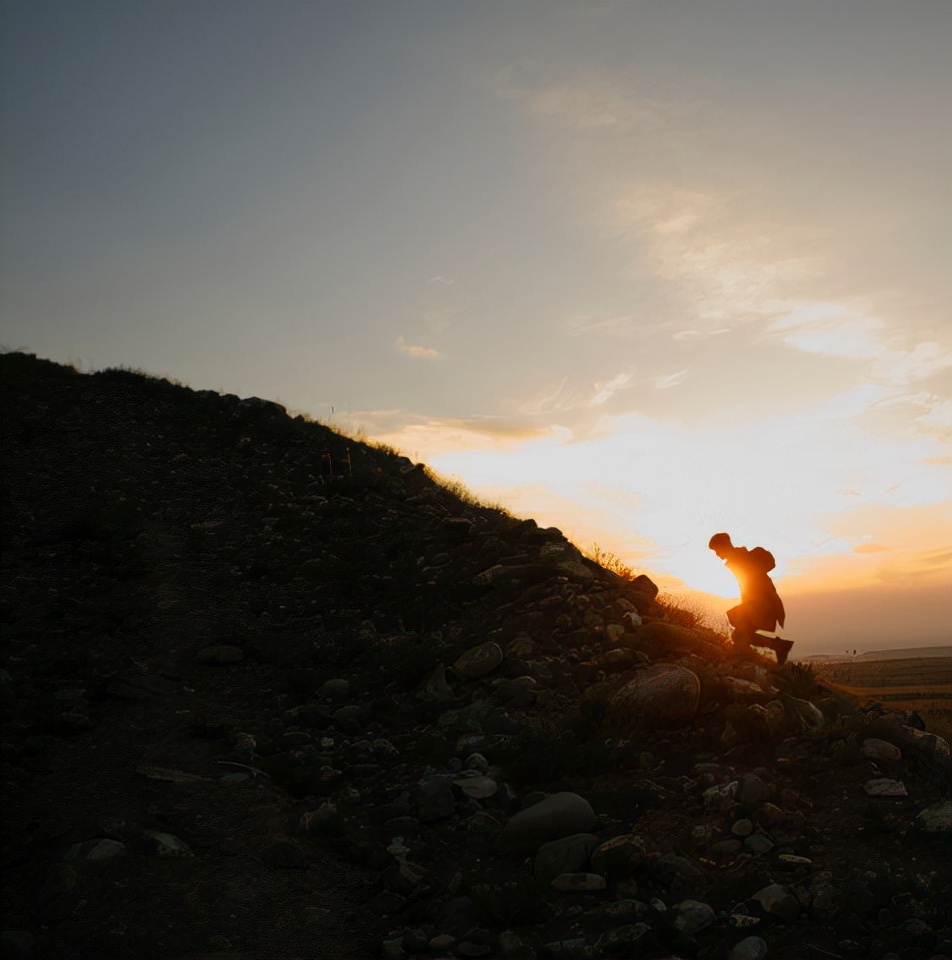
{"x": 604, "y": 391}
{"x": 416, "y": 351}
{"x": 672, "y": 380}
{"x": 444, "y": 281}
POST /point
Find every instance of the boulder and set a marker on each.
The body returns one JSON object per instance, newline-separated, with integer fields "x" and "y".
{"x": 478, "y": 661}
{"x": 558, "y": 815}
{"x": 661, "y": 694}
{"x": 565, "y": 855}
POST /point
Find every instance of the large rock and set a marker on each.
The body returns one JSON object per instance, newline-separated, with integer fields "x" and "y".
{"x": 661, "y": 694}
{"x": 567, "y": 855}
{"x": 558, "y": 815}
{"x": 478, "y": 661}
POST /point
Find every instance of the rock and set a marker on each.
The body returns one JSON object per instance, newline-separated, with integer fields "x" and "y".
{"x": 436, "y": 801}
{"x": 96, "y": 850}
{"x": 750, "y": 948}
{"x": 392, "y": 949}
{"x": 629, "y": 940}
{"x": 644, "y": 586}
{"x": 724, "y": 849}
{"x": 884, "y": 787}
{"x": 752, "y": 790}
{"x": 156, "y": 843}
{"x": 877, "y": 749}
{"x": 619, "y": 857}
{"x": 571, "y": 882}
{"x": 512, "y": 947}
{"x": 478, "y": 661}
{"x": 758, "y": 843}
{"x": 221, "y": 653}
{"x": 778, "y": 902}
{"x": 478, "y": 788}
{"x": 575, "y": 948}
{"x": 664, "y": 693}
{"x": 802, "y": 714}
{"x": 435, "y": 686}
{"x": 721, "y": 796}
{"x": 558, "y": 815}
{"x": 692, "y": 916}
{"x": 742, "y": 828}
{"x": 936, "y": 818}
{"x": 825, "y": 900}
{"x": 442, "y": 942}
{"x": 565, "y": 855}
{"x": 335, "y": 689}
{"x": 742, "y": 691}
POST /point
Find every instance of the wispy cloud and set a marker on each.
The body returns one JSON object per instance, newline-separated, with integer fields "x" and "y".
{"x": 416, "y": 351}
{"x": 672, "y": 380}
{"x": 444, "y": 281}
{"x": 605, "y": 391}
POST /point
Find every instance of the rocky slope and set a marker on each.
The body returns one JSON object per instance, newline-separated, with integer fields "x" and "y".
{"x": 270, "y": 692}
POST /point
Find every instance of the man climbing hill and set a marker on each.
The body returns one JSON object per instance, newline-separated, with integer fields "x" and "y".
{"x": 760, "y": 607}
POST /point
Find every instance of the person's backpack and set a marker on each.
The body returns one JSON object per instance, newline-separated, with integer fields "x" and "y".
{"x": 762, "y": 559}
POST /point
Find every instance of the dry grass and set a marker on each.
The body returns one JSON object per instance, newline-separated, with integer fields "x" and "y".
{"x": 922, "y": 684}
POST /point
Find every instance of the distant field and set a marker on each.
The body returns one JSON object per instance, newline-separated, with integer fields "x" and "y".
{"x": 923, "y": 685}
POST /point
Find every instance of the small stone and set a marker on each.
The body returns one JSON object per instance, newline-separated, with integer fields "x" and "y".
{"x": 742, "y": 828}
{"x": 220, "y": 654}
{"x": 436, "y": 801}
{"x": 392, "y": 949}
{"x": 442, "y": 942}
{"x": 435, "y": 686}
{"x": 692, "y": 916}
{"x": 619, "y": 857}
{"x": 96, "y": 850}
{"x": 722, "y": 796}
{"x": 512, "y": 947}
{"x": 723, "y": 849}
{"x": 571, "y": 882}
{"x": 885, "y": 787}
{"x": 628, "y": 940}
{"x": 159, "y": 844}
{"x": 750, "y": 948}
{"x": 469, "y": 949}
{"x": 565, "y": 855}
{"x": 877, "y": 749}
{"x": 336, "y": 689}
{"x": 779, "y": 902}
{"x": 758, "y": 843}
{"x": 478, "y": 661}
{"x": 752, "y": 791}
{"x": 936, "y": 818}
{"x": 218, "y": 942}
{"x": 478, "y": 788}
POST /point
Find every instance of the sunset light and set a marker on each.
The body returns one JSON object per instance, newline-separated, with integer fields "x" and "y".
{"x": 654, "y": 271}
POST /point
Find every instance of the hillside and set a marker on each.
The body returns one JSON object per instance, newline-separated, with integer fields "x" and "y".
{"x": 271, "y": 692}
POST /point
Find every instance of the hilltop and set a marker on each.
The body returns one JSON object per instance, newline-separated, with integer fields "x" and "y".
{"x": 268, "y": 691}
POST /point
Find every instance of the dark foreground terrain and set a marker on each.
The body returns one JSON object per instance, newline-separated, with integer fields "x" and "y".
{"x": 269, "y": 692}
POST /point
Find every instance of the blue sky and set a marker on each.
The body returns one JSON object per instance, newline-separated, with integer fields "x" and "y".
{"x": 643, "y": 270}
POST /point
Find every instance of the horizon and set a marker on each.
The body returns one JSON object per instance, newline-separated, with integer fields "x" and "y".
{"x": 649, "y": 273}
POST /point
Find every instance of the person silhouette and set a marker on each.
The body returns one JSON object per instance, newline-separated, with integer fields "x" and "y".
{"x": 760, "y": 606}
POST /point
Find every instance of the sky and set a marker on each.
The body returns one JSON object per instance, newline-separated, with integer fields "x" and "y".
{"x": 643, "y": 271}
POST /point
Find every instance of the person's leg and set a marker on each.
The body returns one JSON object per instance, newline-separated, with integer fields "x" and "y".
{"x": 743, "y": 631}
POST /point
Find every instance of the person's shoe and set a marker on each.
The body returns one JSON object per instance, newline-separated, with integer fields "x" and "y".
{"x": 782, "y": 649}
